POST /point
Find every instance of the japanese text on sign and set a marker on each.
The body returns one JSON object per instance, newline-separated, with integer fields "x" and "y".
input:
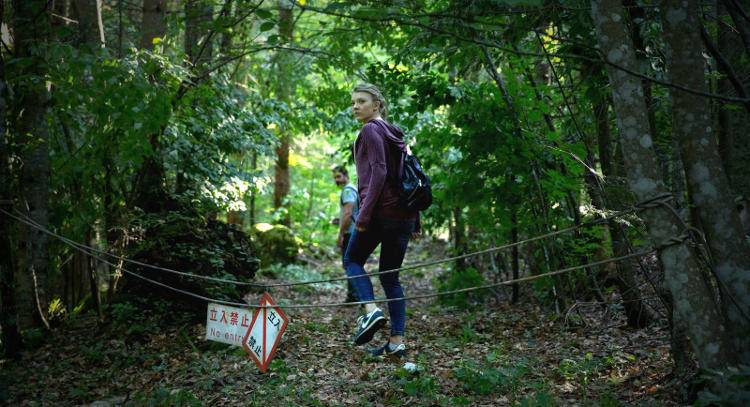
{"x": 227, "y": 324}
{"x": 263, "y": 336}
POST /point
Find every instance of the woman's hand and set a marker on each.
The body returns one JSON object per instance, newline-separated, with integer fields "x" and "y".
{"x": 361, "y": 228}
{"x": 416, "y": 234}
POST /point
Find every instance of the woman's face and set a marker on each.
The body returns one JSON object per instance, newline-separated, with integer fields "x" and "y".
{"x": 364, "y": 107}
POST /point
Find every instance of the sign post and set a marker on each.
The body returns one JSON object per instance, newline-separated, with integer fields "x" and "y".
{"x": 264, "y": 333}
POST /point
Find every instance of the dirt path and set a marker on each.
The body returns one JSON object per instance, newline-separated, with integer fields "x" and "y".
{"x": 491, "y": 355}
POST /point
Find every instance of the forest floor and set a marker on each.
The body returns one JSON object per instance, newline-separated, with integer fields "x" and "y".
{"x": 488, "y": 355}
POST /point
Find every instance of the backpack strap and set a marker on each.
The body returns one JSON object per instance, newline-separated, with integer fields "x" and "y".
{"x": 356, "y": 193}
{"x": 394, "y": 176}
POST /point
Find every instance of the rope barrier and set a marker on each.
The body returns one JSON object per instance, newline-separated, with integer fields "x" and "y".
{"x": 379, "y": 300}
{"x": 346, "y": 304}
{"x": 90, "y": 251}
{"x": 28, "y": 221}
{"x": 649, "y": 203}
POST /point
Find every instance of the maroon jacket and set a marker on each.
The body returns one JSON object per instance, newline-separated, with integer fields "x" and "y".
{"x": 378, "y": 148}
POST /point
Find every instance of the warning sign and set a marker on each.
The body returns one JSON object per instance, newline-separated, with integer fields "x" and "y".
{"x": 264, "y": 334}
{"x": 227, "y": 324}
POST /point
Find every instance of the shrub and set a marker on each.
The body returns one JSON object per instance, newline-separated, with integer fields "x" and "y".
{"x": 276, "y": 244}
{"x": 187, "y": 241}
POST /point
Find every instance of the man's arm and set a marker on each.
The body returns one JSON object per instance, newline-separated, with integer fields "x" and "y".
{"x": 345, "y": 222}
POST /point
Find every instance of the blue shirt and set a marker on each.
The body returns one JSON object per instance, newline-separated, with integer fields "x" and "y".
{"x": 349, "y": 195}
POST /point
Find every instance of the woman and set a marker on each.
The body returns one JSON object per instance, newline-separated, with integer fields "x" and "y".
{"x": 381, "y": 221}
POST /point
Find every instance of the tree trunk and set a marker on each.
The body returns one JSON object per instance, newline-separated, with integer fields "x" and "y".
{"x": 254, "y": 163}
{"x": 76, "y": 277}
{"x": 148, "y": 190}
{"x": 284, "y": 90}
{"x": 31, "y": 29}
{"x": 96, "y": 297}
{"x": 635, "y": 13}
{"x": 734, "y": 8}
{"x": 8, "y": 318}
{"x": 91, "y": 39}
{"x": 665, "y": 146}
{"x": 637, "y": 313}
{"x": 90, "y": 27}
{"x": 679, "y": 344}
{"x": 198, "y": 52}
{"x": 459, "y": 237}
{"x": 693, "y": 298}
{"x": 708, "y": 183}
{"x": 62, "y": 28}
{"x": 154, "y": 24}
{"x": 733, "y": 124}
{"x": 514, "y": 253}
{"x": 198, "y": 45}
{"x": 111, "y": 217}
{"x": 225, "y": 44}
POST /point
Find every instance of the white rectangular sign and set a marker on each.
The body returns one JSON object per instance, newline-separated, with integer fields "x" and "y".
{"x": 227, "y": 324}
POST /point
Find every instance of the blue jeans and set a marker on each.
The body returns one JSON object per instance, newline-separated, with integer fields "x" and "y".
{"x": 393, "y": 238}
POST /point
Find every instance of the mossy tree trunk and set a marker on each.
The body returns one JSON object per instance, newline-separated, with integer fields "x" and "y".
{"x": 693, "y": 299}
{"x": 693, "y": 128}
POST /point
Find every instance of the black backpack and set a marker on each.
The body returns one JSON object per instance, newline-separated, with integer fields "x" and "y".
{"x": 414, "y": 185}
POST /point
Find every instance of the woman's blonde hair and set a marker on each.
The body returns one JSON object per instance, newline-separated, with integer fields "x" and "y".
{"x": 376, "y": 95}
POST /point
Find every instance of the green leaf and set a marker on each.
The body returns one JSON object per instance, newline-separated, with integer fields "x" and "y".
{"x": 267, "y": 26}
{"x": 263, "y": 13}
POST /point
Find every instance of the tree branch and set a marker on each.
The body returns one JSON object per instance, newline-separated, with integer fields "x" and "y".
{"x": 223, "y": 13}
{"x": 736, "y": 12}
{"x": 494, "y": 44}
{"x": 724, "y": 65}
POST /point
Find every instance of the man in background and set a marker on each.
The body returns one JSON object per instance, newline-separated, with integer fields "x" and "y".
{"x": 349, "y": 203}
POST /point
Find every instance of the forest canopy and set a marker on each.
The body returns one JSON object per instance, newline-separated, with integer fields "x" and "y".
{"x": 200, "y": 136}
